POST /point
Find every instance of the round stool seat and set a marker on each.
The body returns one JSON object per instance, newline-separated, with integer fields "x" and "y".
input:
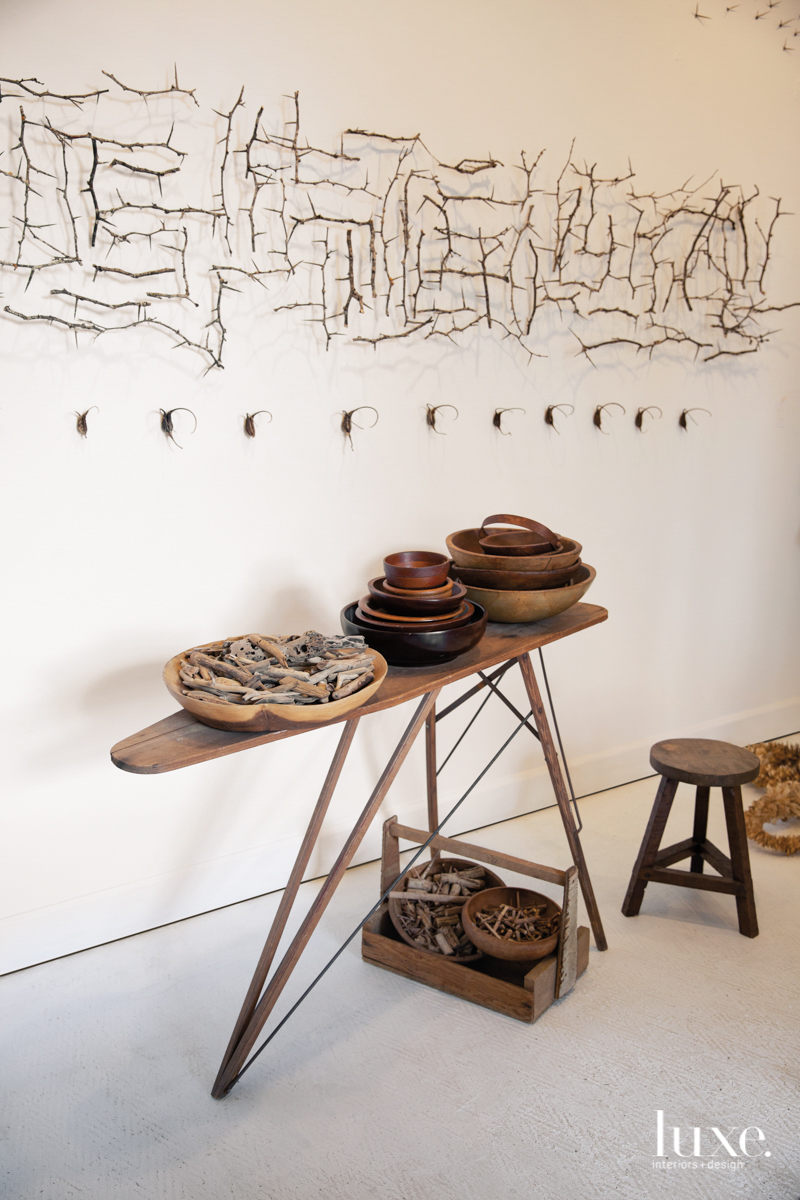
{"x": 704, "y": 762}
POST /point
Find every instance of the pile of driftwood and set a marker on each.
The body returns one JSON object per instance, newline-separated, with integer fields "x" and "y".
{"x": 306, "y": 669}
{"x": 518, "y": 924}
{"x": 432, "y": 919}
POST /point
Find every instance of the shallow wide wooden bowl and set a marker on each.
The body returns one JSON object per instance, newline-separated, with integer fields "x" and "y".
{"x": 265, "y": 718}
{"x": 414, "y": 873}
{"x": 405, "y": 647}
{"x": 518, "y": 544}
{"x": 495, "y": 947}
{"x": 416, "y": 604}
{"x": 515, "y": 581}
{"x": 465, "y": 550}
{"x": 371, "y": 614}
{"x": 510, "y": 608}
{"x": 414, "y": 569}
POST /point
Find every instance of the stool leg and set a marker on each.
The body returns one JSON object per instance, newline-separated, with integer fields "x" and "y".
{"x": 740, "y": 860}
{"x": 700, "y": 826}
{"x": 650, "y": 843}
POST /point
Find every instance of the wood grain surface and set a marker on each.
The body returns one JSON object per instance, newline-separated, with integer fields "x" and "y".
{"x": 181, "y": 741}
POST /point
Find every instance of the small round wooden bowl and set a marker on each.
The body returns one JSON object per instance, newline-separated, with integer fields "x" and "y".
{"x": 424, "y": 593}
{"x": 416, "y": 604}
{"x": 495, "y": 947}
{"x": 414, "y": 873}
{"x": 266, "y": 718}
{"x": 415, "y": 569}
{"x": 517, "y": 544}
{"x": 465, "y": 550}
{"x": 511, "y": 608}
{"x": 515, "y": 581}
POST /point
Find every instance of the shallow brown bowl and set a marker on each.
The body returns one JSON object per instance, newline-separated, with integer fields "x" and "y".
{"x": 415, "y": 603}
{"x": 495, "y": 947}
{"x": 511, "y": 608}
{"x": 263, "y": 718}
{"x": 380, "y": 620}
{"x": 517, "y": 544}
{"x": 416, "y": 647}
{"x": 416, "y": 569}
{"x": 444, "y": 589}
{"x": 519, "y": 581}
{"x": 465, "y": 549}
{"x": 414, "y": 873}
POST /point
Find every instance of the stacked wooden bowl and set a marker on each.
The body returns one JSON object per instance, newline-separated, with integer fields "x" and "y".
{"x": 519, "y": 575}
{"x": 414, "y": 613}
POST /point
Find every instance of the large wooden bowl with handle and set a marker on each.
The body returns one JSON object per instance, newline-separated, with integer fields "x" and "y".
{"x": 267, "y": 718}
{"x": 466, "y": 551}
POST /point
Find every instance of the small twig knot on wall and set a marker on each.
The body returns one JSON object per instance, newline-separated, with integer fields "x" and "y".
{"x": 552, "y": 409}
{"x": 250, "y": 421}
{"x": 683, "y": 419}
{"x": 640, "y": 415}
{"x": 168, "y": 426}
{"x": 430, "y": 416}
{"x": 348, "y": 424}
{"x": 597, "y": 419}
{"x": 80, "y": 420}
{"x": 497, "y": 419}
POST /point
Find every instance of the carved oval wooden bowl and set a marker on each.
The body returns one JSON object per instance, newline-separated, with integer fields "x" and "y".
{"x": 416, "y": 604}
{"x": 511, "y": 608}
{"x": 406, "y": 647}
{"x": 465, "y": 550}
{"x": 266, "y": 718}
{"x": 416, "y": 569}
{"x": 496, "y": 947}
{"x": 515, "y": 581}
{"x": 414, "y": 873}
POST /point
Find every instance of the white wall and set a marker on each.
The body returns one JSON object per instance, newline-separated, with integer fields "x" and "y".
{"x": 120, "y": 550}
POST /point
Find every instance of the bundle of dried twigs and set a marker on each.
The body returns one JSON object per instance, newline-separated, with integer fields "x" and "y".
{"x": 525, "y": 924}
{"x": 306, "y": 669}
{"x": 432, "y": 918}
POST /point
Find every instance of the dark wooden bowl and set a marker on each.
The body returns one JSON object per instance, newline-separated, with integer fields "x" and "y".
{"x": 384, "y": 621}
{"x": 414, "y": 873}
{"x": 465, "y": 549}
{"x": 415, "y": 647}
{"x": 519, "y": 581}
{"x": 414, "y": 602}
{"x": 517, "y": 544}
{"x": 415, "y": 569}
{"x": 495, "y": 947}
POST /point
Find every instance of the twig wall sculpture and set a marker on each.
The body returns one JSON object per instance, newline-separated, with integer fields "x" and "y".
{"x": 374, "y": 242}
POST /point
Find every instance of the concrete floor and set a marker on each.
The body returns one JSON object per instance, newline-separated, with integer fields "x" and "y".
{"x": 382, "y": 1088}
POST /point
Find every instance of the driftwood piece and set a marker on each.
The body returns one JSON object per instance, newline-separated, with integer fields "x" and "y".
{"x": 355, "y": 686}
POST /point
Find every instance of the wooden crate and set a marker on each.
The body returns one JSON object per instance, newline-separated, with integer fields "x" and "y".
{"x": 504, "y": 987}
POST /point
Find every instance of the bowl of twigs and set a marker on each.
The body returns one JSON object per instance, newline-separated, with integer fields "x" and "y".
{"x": 512, "y": 923}
{"x": 426, "y": 906}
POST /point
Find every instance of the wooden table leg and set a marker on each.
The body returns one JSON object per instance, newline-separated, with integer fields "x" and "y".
{"x": 430, "y": 773}
{"x": 234, "y": 1061}
{"x": 562, "y": 799}
{"x": 290, "y": 891}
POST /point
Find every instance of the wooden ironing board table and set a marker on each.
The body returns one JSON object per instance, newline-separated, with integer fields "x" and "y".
{"x": 181, "y": 741}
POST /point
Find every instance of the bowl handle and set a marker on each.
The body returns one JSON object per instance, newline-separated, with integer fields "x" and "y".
{"x": 524, "y": 523}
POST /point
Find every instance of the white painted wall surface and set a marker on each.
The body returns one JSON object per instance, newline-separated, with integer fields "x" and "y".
{"x": 117, "y": 554}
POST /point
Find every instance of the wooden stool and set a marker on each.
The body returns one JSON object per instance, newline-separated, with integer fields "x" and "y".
{"x": 705, "y": 764}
